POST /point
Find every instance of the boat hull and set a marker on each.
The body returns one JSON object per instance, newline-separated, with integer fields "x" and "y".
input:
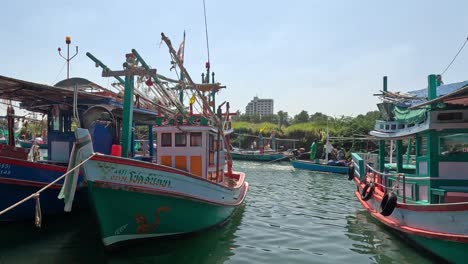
{"x": 135, "y": 200}
{"x": 308, "y": 165}
{"x": 258, "y": 157}
{"x": 19, "y": 179}
{"x": 28, "y": 144}
{"x": 128, "y": 215}
{"x": 441, "y": 229}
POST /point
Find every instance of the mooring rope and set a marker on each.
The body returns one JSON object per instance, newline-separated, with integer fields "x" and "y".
{"x": 37, "y": 194}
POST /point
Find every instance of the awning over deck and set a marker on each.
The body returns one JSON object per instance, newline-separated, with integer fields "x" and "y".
{"x": 38, "y": 97}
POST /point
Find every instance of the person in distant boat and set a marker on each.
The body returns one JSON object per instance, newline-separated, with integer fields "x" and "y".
{"x": 341, "y": 154}
{"x": 313, "y": 150}
{"x": 329, "y": 150}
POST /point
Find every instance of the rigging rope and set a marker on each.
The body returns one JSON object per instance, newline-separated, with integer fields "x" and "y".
{"x": 56, "y": 77}
{"x": 206, "y": 32}
{"x": 450, "y": 64}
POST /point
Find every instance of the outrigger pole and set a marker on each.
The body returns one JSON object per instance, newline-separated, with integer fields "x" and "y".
{"x": 130, "y": 70}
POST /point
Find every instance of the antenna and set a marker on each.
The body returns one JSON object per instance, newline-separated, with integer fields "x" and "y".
{"x": 68, "y": 59}
{"x": 75, "y": 91}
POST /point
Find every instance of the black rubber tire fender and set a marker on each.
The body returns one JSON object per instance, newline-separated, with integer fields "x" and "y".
{"x": 388, "y": 204}
{"x": 367, "y": 191}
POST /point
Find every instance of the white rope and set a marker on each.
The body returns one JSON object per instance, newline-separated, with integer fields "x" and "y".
{"x": 36, "y": 194}
{"x": 394, "y": 187}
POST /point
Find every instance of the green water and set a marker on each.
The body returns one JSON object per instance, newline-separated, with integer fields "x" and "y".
{"x": 290, "y": 216}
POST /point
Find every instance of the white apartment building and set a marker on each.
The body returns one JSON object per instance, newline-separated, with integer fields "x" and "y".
{"x": 258, "y": 106}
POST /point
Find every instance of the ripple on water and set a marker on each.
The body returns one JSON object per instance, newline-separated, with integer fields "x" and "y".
{"x": 290, "y": 216}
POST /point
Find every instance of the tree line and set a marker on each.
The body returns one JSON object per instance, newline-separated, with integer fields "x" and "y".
{"x": 308, "y": 127}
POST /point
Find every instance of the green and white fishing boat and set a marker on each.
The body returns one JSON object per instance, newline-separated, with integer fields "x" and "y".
{"x": 188, "y": 187}
{"x": 426, "y": 203}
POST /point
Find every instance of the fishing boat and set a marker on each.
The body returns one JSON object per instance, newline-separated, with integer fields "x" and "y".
{"x": 427, "y": 205}
{"x": 22, "y": 172}
{"x": 339, "y": 166}
{"x": 268, "y": 153}
{"x": 257, "y": 155}
{"x": 187, "y": 188}
{"x": 313, "y": 165}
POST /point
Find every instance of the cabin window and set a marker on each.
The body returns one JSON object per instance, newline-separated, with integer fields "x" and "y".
{"x": 180, "y": 140}
{"x": 195, "y": 139}
{"x": 211, "y": 149}
{"x": 422, "y": 146}
{"x": 453, "y": 144}
{"x": 166, "y": 140}
{"x": 450, "y": 116}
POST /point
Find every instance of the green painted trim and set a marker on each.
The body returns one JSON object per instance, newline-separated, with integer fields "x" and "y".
{"x": 451, "y": 251}
{"x": 360, "y": 161}
{"x": 381, "y": 155}
{"x": 432, "y": 90}
{"x": 125, "y": 215}
{"x": 399, "y": 155}
{"x": 127, "y": 117}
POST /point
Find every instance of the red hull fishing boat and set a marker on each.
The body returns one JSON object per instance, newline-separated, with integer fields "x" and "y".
{"x": 428, "y": 205}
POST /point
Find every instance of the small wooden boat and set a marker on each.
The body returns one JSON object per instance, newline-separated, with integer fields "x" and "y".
{"x": 316, "y": 166}
{"x": 428, "y": 203}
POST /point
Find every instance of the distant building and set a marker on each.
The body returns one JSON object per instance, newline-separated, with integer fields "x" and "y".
{"x": 258, "y": 106}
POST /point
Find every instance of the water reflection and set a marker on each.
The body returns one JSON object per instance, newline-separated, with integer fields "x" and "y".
{"x": 372, "y": 238}
{"x": 75, "y": 239}
{"x": 211, "y": 246}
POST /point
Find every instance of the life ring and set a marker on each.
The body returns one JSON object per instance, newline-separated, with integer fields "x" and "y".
{"x": 350, "y": 173}
{"x": 388, "y": 204}
{"x": 367, "y": 191}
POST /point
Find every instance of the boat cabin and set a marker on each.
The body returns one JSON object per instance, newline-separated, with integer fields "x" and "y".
{"x": 434, "y": 129}
{"x": 191, "y": 146}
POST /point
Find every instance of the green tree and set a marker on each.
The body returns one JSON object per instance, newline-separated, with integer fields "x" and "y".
{"x": 282, "y": 118}
{"x": 302, "y": 117}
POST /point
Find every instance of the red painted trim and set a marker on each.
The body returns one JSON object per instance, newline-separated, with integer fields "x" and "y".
{"x": 411, "y": 230}
{"x": 35, "y": 165}
{"x": 28, "y": 183}
{"x": 445, "y": 207}
{"x": 140, "y": 164}
{"x": 141, "y": 189}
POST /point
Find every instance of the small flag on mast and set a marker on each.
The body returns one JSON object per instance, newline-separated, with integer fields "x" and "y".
{"x": 180, "y": 52}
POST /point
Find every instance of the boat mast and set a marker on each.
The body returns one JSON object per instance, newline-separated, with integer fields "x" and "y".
{"x": 382, "y": 142}
{"x": 130, "y": 70}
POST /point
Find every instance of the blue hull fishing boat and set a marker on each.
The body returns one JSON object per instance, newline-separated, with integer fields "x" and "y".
{"x": 22, "y": 171}
{"x": 257, "y": 156}
{"x": 314, "y": 166}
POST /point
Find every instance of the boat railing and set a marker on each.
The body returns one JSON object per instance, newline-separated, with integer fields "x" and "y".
{"x": 393, "y": 126}
{"x": 383, "y": 180}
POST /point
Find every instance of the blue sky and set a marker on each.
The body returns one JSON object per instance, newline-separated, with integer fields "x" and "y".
{"x": 318, "y": 56}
